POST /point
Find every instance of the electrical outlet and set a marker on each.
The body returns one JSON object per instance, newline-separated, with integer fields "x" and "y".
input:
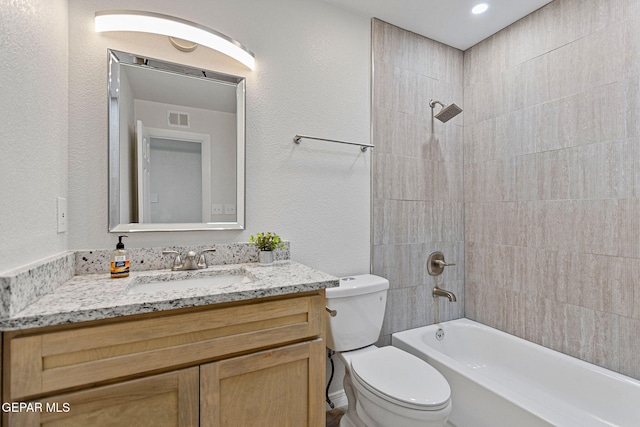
{"x": 216, "y": 209}
{"x": 62, "y": 215}
{"x": 229, "y": 209}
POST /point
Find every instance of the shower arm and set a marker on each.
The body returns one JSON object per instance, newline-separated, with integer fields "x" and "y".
{"x": 433, "y": 103}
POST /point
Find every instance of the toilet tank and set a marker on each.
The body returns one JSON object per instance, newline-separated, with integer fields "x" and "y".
{"x": 359, "y": 302}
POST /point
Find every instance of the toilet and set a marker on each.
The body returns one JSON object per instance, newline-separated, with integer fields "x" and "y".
{"x": 385, "y": 387}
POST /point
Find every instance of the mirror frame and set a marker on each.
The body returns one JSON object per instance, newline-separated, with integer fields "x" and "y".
{"x": 115, "y": 58}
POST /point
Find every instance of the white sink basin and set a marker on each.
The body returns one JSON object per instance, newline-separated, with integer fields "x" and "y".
{"x": 142, "y": 285}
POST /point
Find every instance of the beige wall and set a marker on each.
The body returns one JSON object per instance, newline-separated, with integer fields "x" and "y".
{"x": 552, "y": 188}
{"x": 417, "y": 176}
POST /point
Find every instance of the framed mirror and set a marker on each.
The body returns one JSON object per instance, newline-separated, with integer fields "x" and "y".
{"x": 176, "y": 146}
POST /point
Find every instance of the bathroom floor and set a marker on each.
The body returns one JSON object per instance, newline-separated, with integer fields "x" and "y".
{"x": 333, "y": 417}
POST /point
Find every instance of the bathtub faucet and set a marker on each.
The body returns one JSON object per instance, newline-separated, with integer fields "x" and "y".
{"x": 437, "y": 292}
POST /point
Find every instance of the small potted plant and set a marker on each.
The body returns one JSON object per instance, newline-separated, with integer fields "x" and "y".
{"x": 266, "y": 244}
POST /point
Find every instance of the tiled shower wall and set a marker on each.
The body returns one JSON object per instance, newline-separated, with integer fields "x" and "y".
{"x": 552, "y": 180}
{"x": 417, "y": 175}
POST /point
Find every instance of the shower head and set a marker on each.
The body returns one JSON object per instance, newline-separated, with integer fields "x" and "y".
{"x": 447, "y": 113}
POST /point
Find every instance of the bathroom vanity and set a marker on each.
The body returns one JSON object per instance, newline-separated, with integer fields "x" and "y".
{"x": 255, "y": 357}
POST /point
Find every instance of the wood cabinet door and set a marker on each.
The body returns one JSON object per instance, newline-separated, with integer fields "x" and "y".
{"x": 280, "y": 387}
{"x": 169, "y": 399}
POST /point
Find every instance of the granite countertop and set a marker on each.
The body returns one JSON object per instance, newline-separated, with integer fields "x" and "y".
{"x": 97, "y": 296}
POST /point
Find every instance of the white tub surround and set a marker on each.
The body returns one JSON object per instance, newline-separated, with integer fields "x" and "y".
{"x": 500, "y": 379}
{"x": 65, "y": 298}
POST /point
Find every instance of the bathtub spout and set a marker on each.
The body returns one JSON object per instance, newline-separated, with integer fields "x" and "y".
{"x": 437, "y": 292}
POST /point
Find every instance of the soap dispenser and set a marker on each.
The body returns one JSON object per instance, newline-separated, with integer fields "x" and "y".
{"x": 119, "y": 260}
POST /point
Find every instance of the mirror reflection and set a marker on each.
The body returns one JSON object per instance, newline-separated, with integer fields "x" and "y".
{"x": 176, "y": 147}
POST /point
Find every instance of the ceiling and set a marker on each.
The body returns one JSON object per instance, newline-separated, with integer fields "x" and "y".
{"x": 447, "y": 21}
{"x": 181, "y": 90}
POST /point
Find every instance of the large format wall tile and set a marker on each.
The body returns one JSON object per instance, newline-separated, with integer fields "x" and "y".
{"x": 417, "y": 176}
{"x": 552, "y": 189}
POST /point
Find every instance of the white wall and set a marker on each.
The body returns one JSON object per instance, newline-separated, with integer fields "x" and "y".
{"x": 312, "y": 77}
{"x": 33, "y": 133}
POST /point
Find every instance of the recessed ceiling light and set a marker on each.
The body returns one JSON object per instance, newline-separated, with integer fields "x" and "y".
{"x": 479, "y": 8}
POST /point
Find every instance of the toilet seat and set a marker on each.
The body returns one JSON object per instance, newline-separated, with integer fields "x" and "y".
{"x": 401, "y": 378}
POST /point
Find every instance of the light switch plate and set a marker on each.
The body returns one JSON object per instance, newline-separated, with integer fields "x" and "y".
{"x": 62, "y": 215}
{"x": 216, "y": 209}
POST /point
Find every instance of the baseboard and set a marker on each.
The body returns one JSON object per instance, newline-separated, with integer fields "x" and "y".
{"x": 339, "y": 399}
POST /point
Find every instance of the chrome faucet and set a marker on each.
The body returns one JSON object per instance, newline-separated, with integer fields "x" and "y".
{"x": 191, "y": 261}
{"x": 437, "y": 292}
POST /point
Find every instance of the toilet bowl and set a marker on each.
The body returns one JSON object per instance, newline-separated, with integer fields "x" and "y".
{"x": 395, "y": 388}
{"x": 385, "y": 387}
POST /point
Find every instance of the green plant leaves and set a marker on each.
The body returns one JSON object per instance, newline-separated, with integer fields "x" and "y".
{"x": 266, "y": 241}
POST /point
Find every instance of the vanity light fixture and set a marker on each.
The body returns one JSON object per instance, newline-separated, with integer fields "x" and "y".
{"x": 479, "y": 8}
{"x": 174, "y": 28}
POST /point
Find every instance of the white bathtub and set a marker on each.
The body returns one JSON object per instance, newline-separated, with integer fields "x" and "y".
{"x": 499, "y": 380}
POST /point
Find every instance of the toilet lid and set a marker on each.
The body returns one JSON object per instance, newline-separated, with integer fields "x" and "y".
{"x": 402, "y": 378}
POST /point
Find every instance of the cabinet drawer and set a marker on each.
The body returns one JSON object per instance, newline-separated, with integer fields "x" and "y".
{"x": 54, "y": 361}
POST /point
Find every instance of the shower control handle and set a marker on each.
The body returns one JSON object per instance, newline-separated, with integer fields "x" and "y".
{"x": 436, "y": 263}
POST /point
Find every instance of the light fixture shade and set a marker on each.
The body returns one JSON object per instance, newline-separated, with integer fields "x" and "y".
{"x": 156, "y": 23}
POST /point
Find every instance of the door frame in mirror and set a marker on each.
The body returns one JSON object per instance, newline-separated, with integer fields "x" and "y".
{"x": 115, "y": 58}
